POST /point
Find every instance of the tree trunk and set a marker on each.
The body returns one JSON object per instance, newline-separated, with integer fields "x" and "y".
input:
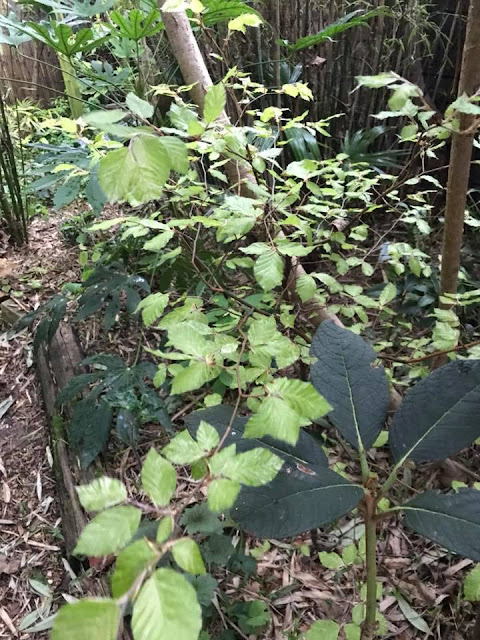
{"x": 460, "y": 157}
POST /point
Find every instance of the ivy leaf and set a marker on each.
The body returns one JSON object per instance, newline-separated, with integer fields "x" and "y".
{"x": 92, "y": 619}
{"x": 268, "y": 270}
{"x": 135, "y": 174}
{"x": 158, "y": 478}
{"x": 450, "y": 520}
{"x": 187, "y": 555}
{"x": 344, "y": 375}
{"x": 166, "y": 607}
{"x": 139, "y": 107}
{"x": 182, "y": 449}
{"x": 439, "y": 416}
{"x": 222, "y": 494}
{"x": 101, "y": 493}
{"x": 215, "y": 99}
{"x": 130, "y": 563}
{"x": 194, "y": 376}
{"x": 108, "y": 532}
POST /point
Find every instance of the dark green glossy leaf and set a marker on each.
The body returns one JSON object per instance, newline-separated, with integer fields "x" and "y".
{"x": 440, "y": 415}
{"x": 452, "y": 520}
{"x": 88, "y": 430}
{"x": 344, "y": 375}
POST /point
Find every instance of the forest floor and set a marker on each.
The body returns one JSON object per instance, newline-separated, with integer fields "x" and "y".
{"x": 35, "y": 576}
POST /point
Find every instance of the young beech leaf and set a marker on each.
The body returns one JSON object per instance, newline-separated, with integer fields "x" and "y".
{"x": 93, "y": 619}
{"x": 101, "y": 493}
{"x": 194, "y": 376}
{"x": 182, "y": 449}
{"x": 253, "y": 468}
{"x": 130, "y": 563}
{"x": 158, "y": 478}
{"x": 344, "y": 375}
{"x": 439, "y": 416}
{"x": 165, "y": 527}
{"x": 215, "y": 99}
{"x": 108, "y": 532}
{"x": 218, "y": 462}
{"x": 138, "y": 106}
{"x": 166, "y": 607}
{"x": 450, "y": 520}
{"x": 187, "y": 555}
{"x": 471, "y": 586}
{"x": 207, "y": 436}
{"x": 323, "y": 630}
{"x": 222, "y": 494}
{"x": 268, "y": 270}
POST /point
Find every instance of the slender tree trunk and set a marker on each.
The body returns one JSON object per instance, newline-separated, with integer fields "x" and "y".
{"x": 460, "y": 157}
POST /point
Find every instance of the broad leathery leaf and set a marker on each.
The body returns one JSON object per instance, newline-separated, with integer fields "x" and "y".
{"x": 135, "y": 174}
{"x": 307, "y": 453}
{"x": 253, "y": 468}
{"x": 268, "y": 270}
{"x": 188, "y": 557}
{"x": 215, "y": 99}
{"x": 323, "y": 630}
{"x": 450, "y": 520}
{"x": 130, "y": 563}
{"x": 297, "y": 500}
{"x": 108, "y": 532}
{"x": 139, "y": 107}
{"x": 159, "y": 478}
{"x": 344, "y": 375}
{"x": 101, "y": 493}
{"x": 92, "y": 619}
{"x": 440, "y": 415}
{"x": 471, "y": 586}
{"x": 166, "y": 607}
{"x": 221, "y": 494}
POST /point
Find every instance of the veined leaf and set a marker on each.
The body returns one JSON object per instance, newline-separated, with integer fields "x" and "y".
{"x": 108, "y": 532}
{"x": 93, "y": 619}
{"x": 450, "y": 520}
{"x": 344, "y": 375}
{"x": 158, "y": 478}
{"x": 138, "y": 106}
{"x": 101, "y": 493}
{"x": 268, "y": 270}
{"x": 166, "y": 607}
{"x": 130, "y": 563}
{"x": 215, "y": 98}
{"x": 187, "y": 555}
{"x": 194, "y": 376}
{"x": 439, "y": 416}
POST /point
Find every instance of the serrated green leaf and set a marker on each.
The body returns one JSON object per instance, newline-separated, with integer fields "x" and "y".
{"x": 131, "y": 562}
{"x": 274, "y": 418}
{"x": 221, "y": 494}
{"x": 439, "y": 416}
{"x": 165, "y": 528}
{"x": 158, "y": 478}
{"x": 188, "y": 557}
{"x": 92, "y": 619}
{"x": 166, "y": 607}
{"x": 194, "y": 376}
{"x": 301, "y": 396}
{"x": 108, "y": 532}
{"x": 253, "y": 468}
{"x": 139, "y": 107}
{"x": 268, "y": 270}
{"x": 182, "y": 449}
{"x": 323, "y": 630}
{"x": 101, "y": 493}
{"x": 207, "y": 436}
{"x": 215, "y": 99}
{"x": 306, "y": 287}
{"x": 177, "y": 153}
{"x": 471, "y": 585}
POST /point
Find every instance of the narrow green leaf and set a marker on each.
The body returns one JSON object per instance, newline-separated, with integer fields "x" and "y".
{"x": 108, "y": 532}
{"x": 101, "y": 493}
{"x": 165, "y": 528}
{"x": 215, "y": 99}
{"x": 188, "y": 557}
{"x": 166, "y": 607}
{"x": 158, "y": 478}
{"x": 414, "y": 618}
{"x": 92, "y": 619}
